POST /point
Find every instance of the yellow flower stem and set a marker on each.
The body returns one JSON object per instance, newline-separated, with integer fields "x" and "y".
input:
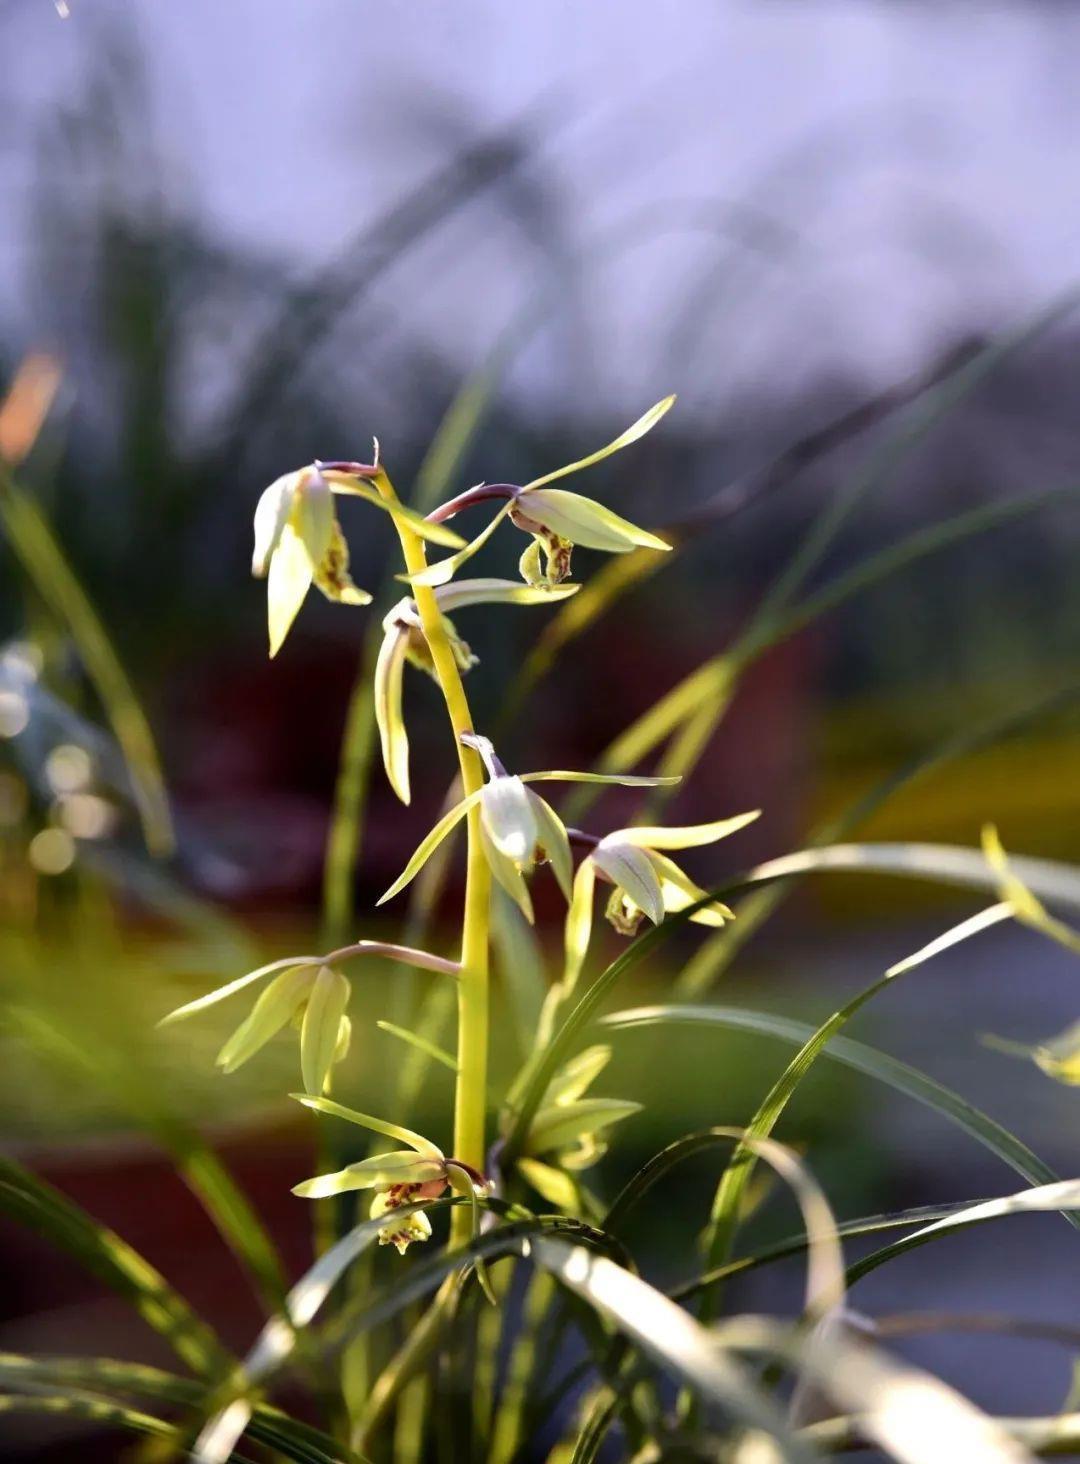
{"x": 472, "y": 1054}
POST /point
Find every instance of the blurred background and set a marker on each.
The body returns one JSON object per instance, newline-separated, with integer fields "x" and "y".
{"x": 250, "y": 235}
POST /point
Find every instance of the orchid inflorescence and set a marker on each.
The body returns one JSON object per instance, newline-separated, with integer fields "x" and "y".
{"x": 512, "y": 828}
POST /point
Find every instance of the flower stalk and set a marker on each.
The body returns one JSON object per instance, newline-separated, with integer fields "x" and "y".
{"x": 472, "y": 1055}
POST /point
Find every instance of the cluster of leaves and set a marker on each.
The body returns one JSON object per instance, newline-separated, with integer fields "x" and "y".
{"x": 547, "y": 1250}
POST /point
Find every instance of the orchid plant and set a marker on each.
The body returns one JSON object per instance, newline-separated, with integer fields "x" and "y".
{"x": 511, "y": 828}
{"x": 521, "y": 1187}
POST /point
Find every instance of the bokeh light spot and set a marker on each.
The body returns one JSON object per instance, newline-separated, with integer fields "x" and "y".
{"x": 68, "y": 768}
{"x": 52, "y": 851}
{"x": 14, "y": 713}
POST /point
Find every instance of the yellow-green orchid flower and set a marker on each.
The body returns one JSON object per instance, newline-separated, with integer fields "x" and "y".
{"x": 1058, "y": 1057}
{"x": 518, "y": 828}
{"x": 312, "y": 994}
{"x": 421, "y": 1171}
{"x": 1026, "y": 907}
{"x": 298, "y": 541}
{"x": 555, "y": 518}
{"x": 404, "y": 641}
{"x": 569, "y": 1130}
{"x": 647, "y": 883}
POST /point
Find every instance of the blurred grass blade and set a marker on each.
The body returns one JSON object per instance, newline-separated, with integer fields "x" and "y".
{"x": 1062, "y": 1195}
{"x": 943, "y": 862}
{"x": 98, "y": 1250}
{"x": 98, "y": 1411}
{"x": 1050, "y": 1436}
{"x": 862, "y": 1058}
{"x": 413, "y": 1039}
{"x": 717, "y": 952}
{"x": 104, "y": 1375}
{"x": 344, "y": 839}
{"x": 737, "y": 1175}
{"x": 794, "y": 1245}
{"x": 45, "y": 564}
{"x": 697, "y": 703}
{"x": 666, "y": 1334}
{"x": 196, "y": 1163}
{"x": 277, "y": 1340}
{"x": 974, "y": 925}
{"x": 910, "y": 1414}
{"x": 825, "y": 1273}
{"x": 949, "y": 864}
{"x": 931, "y": 409}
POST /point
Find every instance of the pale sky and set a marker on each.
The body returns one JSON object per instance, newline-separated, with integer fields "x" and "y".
{"x": 925, "y": 156}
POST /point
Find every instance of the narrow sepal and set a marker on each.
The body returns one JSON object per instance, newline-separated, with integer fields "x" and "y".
{"x": 579, "y": 520}
{"x": 579, "y": 919}
{"x": 444, "y": 571}
{"x": 507, "y": 874}
{"x": 645, "y": 423}
{"x": 401, "y": 1167}
{"x": 689, "y": 837}
{"x": 358, "y": 488}
{"x": 429, "y": 844}
{"x": 577, "y": 1075}
{"x": 553, "y": 839}
{"x": 563, "y": 1124}
{"x": 376, "y": 1125}
{"x": 389, "y": 713}
{"x": 321, "y": 1028}
{"x": 276, "y": 1006}
{"x": 678, "y": 891}
{"x": 221, "y": 993}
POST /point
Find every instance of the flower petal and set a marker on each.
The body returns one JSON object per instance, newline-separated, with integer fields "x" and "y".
{"x": 402, "y": 1166}
{"x": 213, "y": 997}
{"x": 332, "y": 572}
{"x": 431, "y": 841}
{"x": 508, "y": 875}
{"x": 499, "y": 591}
{"x": 415, "y": 1141}
{"x": 689, "y": 837}
{"x": 630, "y": 869}
{"x": 444, "y": 571}
{"x": 580, "y": 520}
{"x": 645, "y": 423}
{"x": 322, "y": 1027}
{"x": 312, "y": 514}
{"x": 509, "y": 819}
{"x": 291, "y": 573}
{"x": 1027, "y": 909}
{"x": 563, "y": 1123}
{"x": 579, "y": 920}
{"x": 575, "y": 1076}
{"x": 554, "y": 841}
{"x": 358, "y": 488}
{"x": 275, "y": 1006}
{"x": 271, "y": 513}
{"x": 389, "y": 669}
{"x": 623, "y": 780}
{"x": 679, "y": 891}
{"x": 1059, "y": 1057}
{"x": 552, "y": 1185}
